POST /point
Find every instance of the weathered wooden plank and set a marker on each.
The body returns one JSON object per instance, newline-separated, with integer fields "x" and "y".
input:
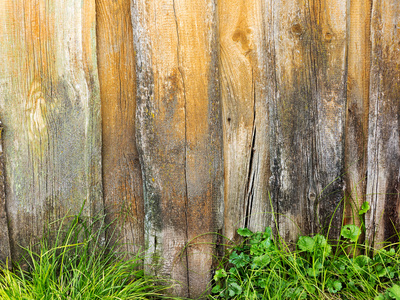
{"x": 259, "y": 209}
{"x": 308, "y": 115}
{"x": 5, "y": 253}
{"x": 51, "y": 108}
{"x": 177, "y": 133}
{"x": 198, "y": 66}
{"x": 122, "y": 177}
{"x": 384, "y": 124}
{"x": 244, "y": 114}
{"x": 237, "y": 96}
{"x": 357, "y": 107}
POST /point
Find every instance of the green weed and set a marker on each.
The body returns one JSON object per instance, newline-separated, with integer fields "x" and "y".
{"x": 263, "y": 267}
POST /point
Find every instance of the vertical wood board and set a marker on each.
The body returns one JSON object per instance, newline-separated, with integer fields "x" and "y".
{"x": 357, "y": 108}
{"x": 177, "y": 108}
{"x": 5, "y": 253}
{"x": 245, "y": 115}
{"x": 308, "y": 115}
{"x": 51, "y": 106}
{"x": 122, "y": 177}
{"x": 384, "y": 124}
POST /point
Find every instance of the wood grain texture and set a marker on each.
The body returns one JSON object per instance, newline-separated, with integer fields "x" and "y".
{"x": 245, "y": 115}
{"x": 384, "y": 125}
{"x": 259, "y": 208}
{"x": 308, "y": 115}
{"x": 51, "y": 106}
{"x": 178, "y": 135}
{"x": 122, "y": 177}
{"x": 357, "y": 107}
{"x": 5, "y": 253}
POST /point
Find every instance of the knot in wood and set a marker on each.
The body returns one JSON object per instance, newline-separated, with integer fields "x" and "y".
{"x": 297, "y": 29}
{"x": 244, "y": 36}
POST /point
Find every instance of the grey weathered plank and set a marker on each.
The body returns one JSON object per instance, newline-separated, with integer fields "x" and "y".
{"x": 5, "y": 253}
{"x": 357, "y": 108}
{"x": 384, "y": 124}
{"x": 178, "y": 135}
{"x": 308, "y": 115}
{"x": 122, "y": 176}
{"x": 51, "y": 108}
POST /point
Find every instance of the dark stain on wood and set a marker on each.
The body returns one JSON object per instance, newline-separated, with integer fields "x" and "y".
{"x": 5, "y": 254}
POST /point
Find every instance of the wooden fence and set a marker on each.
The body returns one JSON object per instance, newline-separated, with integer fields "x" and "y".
{"x": 186, "y": 117}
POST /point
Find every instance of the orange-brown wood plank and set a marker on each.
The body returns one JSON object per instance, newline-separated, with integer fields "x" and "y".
{"x": 357, "y": 107}
{"x": 383, "y": 220}
{"x": 50, "y": 107}
{"x": 178, "y": 135}
{"x": 244, "y": 89}
{"x": 308, "y": 115}
{"x": 122, "y": 178}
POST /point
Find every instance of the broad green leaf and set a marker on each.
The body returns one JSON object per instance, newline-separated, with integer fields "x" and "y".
{"x": 221, "y": 273}
{"x": 315, "y": 270}
{"x": 256, "y": 238}
{"x": 268, "y": 233}
{"x": 234, "y": 289}
{"x": 391, "y": 272}
{"x": 239, "y": 260}
{"x": 351, "y": 232}
{"x": 321, "y": 243}
{"x": 334, "y": 286}
{"x": 261, "y": 261}
{"x": 245, "y": 232}
{"x": 380, "y": 270}
{"x": 267, "y": 243}
{"x": 364, "y": 208}
{"x": 216, "y": 289}
{"x": 340, "y": 264}
{"x": 233, "y": 271}
{"x": 306, "y": 243}
{"x": 394, "y": 291}
{"x": 362, "y": 260}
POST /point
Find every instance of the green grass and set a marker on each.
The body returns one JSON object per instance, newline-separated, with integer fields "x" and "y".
{"x": 78, "y": 265}
{"x": 265, "y": 267}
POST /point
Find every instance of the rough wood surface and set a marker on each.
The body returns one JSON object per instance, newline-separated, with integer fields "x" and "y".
{"x": 50, "y": 104}
{"x": 384, "y": 124}
{"x": 122, "y": 177}
{"x": 308, "y": 115}
{"x": 244, "y": 114}
{"x": 208, "y": 108}
{"x": 357, "y": 107}
{"x": 5, "y": 253}
{"x": 178, "y": 135}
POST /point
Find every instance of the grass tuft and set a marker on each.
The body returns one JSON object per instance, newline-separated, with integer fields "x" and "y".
{"x": 78, "y": 264}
